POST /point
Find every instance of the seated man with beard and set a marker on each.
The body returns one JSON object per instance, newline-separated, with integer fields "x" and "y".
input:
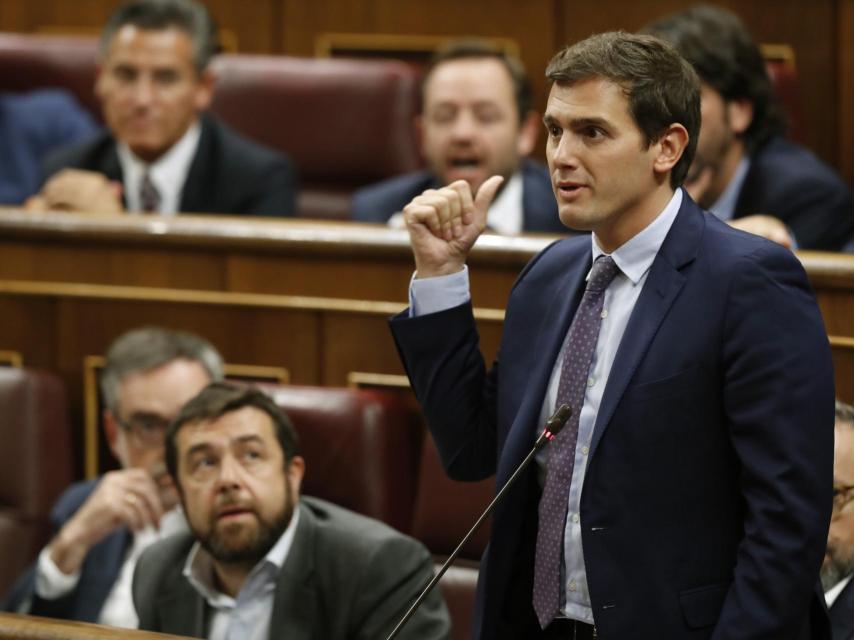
{"x": 838, "y": 567}
{"x": 264, "y": 562}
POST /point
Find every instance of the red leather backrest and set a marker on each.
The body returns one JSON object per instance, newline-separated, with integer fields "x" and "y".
{"x": 361, "y": 448}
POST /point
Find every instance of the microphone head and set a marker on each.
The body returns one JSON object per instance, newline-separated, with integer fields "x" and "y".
{"x": 558, "y": 419}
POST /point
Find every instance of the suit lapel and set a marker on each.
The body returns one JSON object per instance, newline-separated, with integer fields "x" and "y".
{"x": 182, "y": 610}
{"x": 295, "y": 613}
{"x": 196, "y": 193}
{"x": 663, "y": 284}
{"x": 112, "y": 169}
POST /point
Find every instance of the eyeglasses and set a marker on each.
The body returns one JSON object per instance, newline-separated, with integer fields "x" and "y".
{"x": 842, "y": 496}
{"x": 146, "y": 430}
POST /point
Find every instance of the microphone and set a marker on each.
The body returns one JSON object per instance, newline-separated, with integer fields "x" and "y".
{"x": 553, "y": 426}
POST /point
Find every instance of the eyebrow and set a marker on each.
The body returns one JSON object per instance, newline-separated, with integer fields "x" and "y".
{"x": 577, "y": 123}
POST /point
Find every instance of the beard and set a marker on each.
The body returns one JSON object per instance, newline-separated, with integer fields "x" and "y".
{"x": 835, "y": 568}
{"x": 246, "y": 546}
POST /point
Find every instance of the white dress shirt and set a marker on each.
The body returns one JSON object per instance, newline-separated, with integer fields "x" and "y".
{"x": 832, "y": 594}
{"x": 634, "y": 258}
{"x": 724, "y": 206}
{"x": 118, "y": 609}
{"x": 506, "y": 214}
{"x": 168, "y": 173}
{"x": 246, "y": 617}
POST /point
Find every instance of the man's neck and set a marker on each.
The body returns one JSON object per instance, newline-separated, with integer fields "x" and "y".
{"x": 724, "y": 174}
{"x": 230, "y": 577}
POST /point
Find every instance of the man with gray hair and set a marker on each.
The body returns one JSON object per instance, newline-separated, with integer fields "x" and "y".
{"x": 103, "y": 525}
{"x": 838, "y": 567}
{"x": 161, "y": 154}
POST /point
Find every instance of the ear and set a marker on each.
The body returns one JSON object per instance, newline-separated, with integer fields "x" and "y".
{"x": 295, "y": 471}
{"x": 669, "y": 148}
{"x": 529, "y": 131}
{"x": 740, "y": 113}
{"x": 204, "y": 90}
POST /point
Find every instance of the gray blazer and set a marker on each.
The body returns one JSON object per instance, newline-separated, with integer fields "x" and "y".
{"x": 346, "y": 577}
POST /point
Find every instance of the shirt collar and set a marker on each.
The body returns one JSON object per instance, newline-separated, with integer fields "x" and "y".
{"x": 831, "y": 595}
{"x": 635, "y": 256}
{"x": 199, "y": 571}
{"x": 724, "y": 207}
{"x": 169, "y": 171}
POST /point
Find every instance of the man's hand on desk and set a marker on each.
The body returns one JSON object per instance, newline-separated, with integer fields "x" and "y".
{"x": 444, "y": 224}
{"x": 77, "y": 190}
{"x": 768, "y": 227}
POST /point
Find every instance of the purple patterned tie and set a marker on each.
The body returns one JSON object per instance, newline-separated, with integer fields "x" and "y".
{"x": 577, "y": 355}
{"x": 149, "y": 197}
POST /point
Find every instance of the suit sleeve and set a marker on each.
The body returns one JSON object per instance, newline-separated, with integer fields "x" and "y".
{"x": 394, "y": 577}
{"x": 441, "y": 355}
{"x": 779, "y": 404}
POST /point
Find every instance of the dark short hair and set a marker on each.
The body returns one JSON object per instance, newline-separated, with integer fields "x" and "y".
{"x": 720, "y": 48}
{"x": 219, "y": 398}
{"x": 661, "y": 88}
{"x": 147, "y": 348}
{"x": 844, "y": 413}
{"x": 474, "y": 49}
{"x": 188, "y": 16}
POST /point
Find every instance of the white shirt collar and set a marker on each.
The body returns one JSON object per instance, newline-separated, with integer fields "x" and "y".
{"x": 832, "y": 594}
{"x": 724, "y": 207}
{"x": 168, "y": 173}
{"x": 634, "y": 257}
{"x": 199, "y": 571}
{"x": 506, "y": 211}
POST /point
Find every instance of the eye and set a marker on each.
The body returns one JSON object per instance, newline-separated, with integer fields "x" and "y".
{"x": 554, "y": 131}
{"x": 594, "y": 133}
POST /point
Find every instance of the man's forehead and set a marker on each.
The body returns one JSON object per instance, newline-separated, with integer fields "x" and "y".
{"x": 588, "y": 98}
{"x": 162, "y": 389}
{"x": 170, "y": 43}
{"x": 240, "y": 425}
{"x": 487, "y": 76}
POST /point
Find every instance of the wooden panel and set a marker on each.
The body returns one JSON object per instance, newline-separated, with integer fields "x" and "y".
{"x": 14, "y": 626}
{"x": 843, "y": 364}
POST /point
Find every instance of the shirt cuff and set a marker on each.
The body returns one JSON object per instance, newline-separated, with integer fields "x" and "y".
{"x": 51, "y": 583}
{"x": 431, "y": 295}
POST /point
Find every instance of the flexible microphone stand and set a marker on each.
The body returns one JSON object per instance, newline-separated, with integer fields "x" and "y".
{"x": 552, "y": 428}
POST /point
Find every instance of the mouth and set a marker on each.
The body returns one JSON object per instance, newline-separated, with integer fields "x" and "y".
{"x": 569, "y": 190}
{"x": 233, "y": 512}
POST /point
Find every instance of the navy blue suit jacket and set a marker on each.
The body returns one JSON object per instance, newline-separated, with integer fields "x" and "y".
{"x": 229, "y": 174}
{"x": 31, "y": 126}
{"x": 842, "y": 614}
{"x": 790, "y": 183}
{"x": 99, "y": 572}
{"x": 379, "y": 202}
{"x": 707, "y": 494}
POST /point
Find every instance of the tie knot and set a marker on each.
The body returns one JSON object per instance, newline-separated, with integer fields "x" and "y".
{"x": 604, "y": 270}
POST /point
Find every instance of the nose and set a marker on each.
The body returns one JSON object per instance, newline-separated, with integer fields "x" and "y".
{"x": 142, "y": 91}
{"x": 563, "y": 152}
{"x": 464, "y": 126}
{"x": 229, "y": 473}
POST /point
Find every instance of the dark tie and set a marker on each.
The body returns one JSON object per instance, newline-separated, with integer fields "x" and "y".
{"x": 149, "y": 197}
{"x": 577, "y": 355}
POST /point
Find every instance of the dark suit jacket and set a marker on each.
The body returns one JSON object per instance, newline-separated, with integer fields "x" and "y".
{"x": 379, "y": 202}
{"x": 842, "y": 614}
{"x": 790, "y": 183}
{"x": 99, "y": 572}
{"x": 346, "y": 577}
{"x": 707, "y": 494}
{"x": 229, "y": 173}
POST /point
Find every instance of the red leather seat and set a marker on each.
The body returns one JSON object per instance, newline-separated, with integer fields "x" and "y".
{"x": 361, "y": 448}
{"x": 35, "y": 463}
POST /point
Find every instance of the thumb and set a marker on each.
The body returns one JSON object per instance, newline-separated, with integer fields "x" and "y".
{"x": 486, "y": 193}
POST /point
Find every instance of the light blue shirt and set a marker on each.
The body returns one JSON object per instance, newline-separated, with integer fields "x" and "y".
{"x": 634, "y": 259}
{"x": 246, "y": 617}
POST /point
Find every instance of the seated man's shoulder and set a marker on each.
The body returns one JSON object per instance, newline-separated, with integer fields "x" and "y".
{"x": 164, "y": 557}
{"x": 379, "y": 201}
{"x": 352, "y": 532}
{"x": 789, "y": 167}
{"x": 242, "y": 153}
